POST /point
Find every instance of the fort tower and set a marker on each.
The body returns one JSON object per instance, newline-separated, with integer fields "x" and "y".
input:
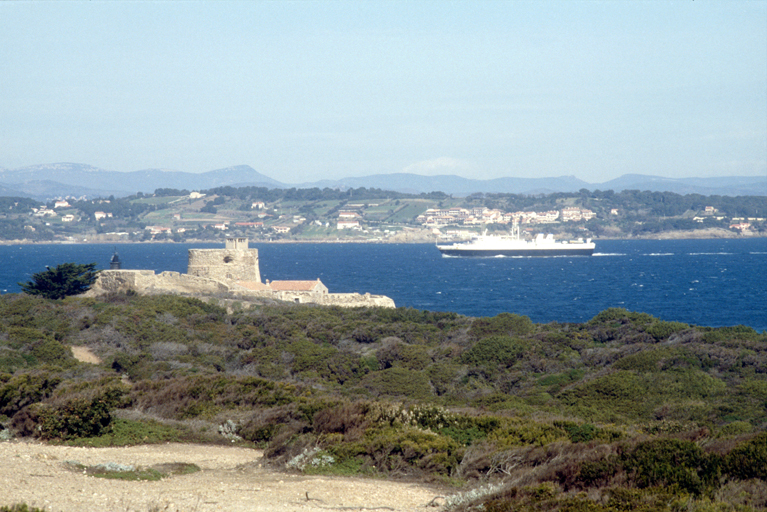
{"x": 236, "y": 262}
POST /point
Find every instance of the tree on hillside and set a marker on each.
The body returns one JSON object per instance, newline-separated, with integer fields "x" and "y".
{"x": 63, "y": 280}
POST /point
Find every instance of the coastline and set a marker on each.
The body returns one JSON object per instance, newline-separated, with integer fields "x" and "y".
{"x": 416, "y": 237}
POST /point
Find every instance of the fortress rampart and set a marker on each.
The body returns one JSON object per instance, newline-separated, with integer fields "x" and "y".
{"x": 232, "y": 270}
{"x": 146, "y": 282}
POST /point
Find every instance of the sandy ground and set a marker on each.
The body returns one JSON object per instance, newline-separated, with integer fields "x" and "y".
{"x": 231, "y": 479}
{"x": 85, "y": 355}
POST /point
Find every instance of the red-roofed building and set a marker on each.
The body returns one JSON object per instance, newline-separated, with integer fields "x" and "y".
{"x": 254, "y": 285}
{"x": 348, "y": 224}
{"x": 298, "y": 291}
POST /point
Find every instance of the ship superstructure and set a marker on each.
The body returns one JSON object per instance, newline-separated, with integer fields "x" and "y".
{"x": 511, "y": 245}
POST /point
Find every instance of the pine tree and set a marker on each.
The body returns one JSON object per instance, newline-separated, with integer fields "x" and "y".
{"x": 63, "y": 280}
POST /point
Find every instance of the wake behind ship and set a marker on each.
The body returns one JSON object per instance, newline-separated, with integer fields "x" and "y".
{"x": 505, "y": 245}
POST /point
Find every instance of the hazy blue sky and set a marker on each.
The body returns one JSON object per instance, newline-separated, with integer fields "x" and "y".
{"x": 307, "y": 90}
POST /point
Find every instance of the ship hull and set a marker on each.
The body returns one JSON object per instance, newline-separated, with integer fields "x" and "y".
{"x": 527, "y": 252}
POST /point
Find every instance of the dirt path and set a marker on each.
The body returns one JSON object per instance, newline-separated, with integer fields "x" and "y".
{"x": 85, "y": 355}
{"x": 231, "y": 479}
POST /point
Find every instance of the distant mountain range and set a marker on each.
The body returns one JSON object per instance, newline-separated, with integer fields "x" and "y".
{"x": 48, "y": 181}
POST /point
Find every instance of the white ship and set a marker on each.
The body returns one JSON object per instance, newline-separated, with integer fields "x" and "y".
{"x": 510, "y": 245}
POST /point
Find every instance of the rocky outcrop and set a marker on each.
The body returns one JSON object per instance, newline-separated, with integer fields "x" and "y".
{"x": 355, "y": 300}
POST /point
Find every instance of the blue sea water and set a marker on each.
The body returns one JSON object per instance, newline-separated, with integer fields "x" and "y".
{"x": 701, "y": 282}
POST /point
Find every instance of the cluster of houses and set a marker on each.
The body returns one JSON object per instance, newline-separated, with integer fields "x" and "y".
{"x": 739, "y": 223}
{"x": 347, "y": 219}
{"x": 435, "y": 217}
{"x": 438, "y": 217}
{"x": 44, "y": 211}
{"x": 351, "y": 218}
{"x": 744, "y": 223}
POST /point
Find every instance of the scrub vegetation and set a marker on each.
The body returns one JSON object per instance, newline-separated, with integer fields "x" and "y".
{"x": 623, "y": 412}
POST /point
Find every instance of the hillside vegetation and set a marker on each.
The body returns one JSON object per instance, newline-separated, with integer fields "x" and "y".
{"x": 314, "y": 214}
{"x": 623, "y": 412}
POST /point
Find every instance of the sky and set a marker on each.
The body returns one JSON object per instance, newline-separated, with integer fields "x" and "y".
{"x": 310, "y": 90}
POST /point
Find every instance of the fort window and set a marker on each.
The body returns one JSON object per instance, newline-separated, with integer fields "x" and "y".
{"x": 228, "y": 259}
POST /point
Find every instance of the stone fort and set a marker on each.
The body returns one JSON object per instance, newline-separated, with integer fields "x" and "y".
{"x": 233, "y": 272}
{"x": 236, "y": 262}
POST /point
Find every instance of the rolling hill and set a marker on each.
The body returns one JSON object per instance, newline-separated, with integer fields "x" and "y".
{"x": 47, "y": 181}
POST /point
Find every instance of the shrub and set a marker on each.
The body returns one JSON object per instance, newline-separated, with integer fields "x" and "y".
{"x": 129, "y": 432}
{"x": 749, "y": 460}
{"x": 81, "y": 416}
{"x": 398, "y": 382}
{"x": 578, "y": 433}
{"x": 11, "y": 361}
{"x": 21, "y": 337}
{"x": 661, "y": 330}
{"x": 262, "y": 425}
{"x": 177, "y": 306}
{"x": 597, "y": 473}
{"x": 206, "y": 395}
{"x": 735, "y": 428}
{"x": 464, "y": 435}
{"x": 736, "y": 332}
{"x": 402, "y": 450}
{"x": 518, "y": 433}
{"x": 22, "y": 390}
{"x": 495, "y": 351}
{"x": 395, "y": 353}
{"x": 310, "y": 356}
{"x": 443, "y": 377}
{"x": 348, "y": 419}
{"x": 344, "y": 367}
{"x": 671, "y": 462}
{"x": 648, "y": 360}
{"x": 615, "y": 393}
{"x": 506, "y": 324}
{"x": 51, "y": 351}
{"x": 620, "y": 315}
{"x": 558, "y": 380}
{"x": 20, "y": 507}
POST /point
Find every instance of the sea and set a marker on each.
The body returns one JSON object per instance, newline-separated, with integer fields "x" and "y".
{"x": 713, "y": 283}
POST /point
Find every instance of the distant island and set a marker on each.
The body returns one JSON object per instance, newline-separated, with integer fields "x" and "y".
{"x": 265, "y": 214}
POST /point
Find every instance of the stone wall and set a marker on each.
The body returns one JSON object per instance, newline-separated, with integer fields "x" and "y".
{"x": 146, "y": 282}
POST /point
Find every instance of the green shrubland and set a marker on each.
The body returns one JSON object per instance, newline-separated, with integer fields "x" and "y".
{"x": 622, "y": 412}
